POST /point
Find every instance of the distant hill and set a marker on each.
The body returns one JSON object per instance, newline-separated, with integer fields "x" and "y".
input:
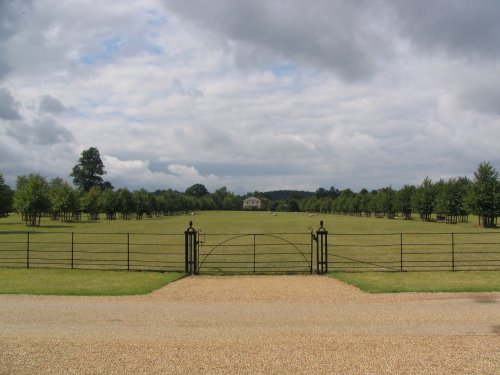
{"x": 278, "y": 195}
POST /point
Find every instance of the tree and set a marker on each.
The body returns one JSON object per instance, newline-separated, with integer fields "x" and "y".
{"x": 143, "y": 202}
{"x": 125, "y": 203}
{"x": 322, "y": 193}
{"x": 424, "y": 199}
{"x": 108, "y": 202}
{"x": 404, "y": 198}
{"x": 6, "y": 198}
{"x": 197, "y": 190}
{"x": 91, "y": 203}
{"x": 62, "y": 198}
{"x": 87, "y": 173}
{"x": 486, "y": 194}
{"x": 451, "y": 199}
{"x": 32, "y": 198}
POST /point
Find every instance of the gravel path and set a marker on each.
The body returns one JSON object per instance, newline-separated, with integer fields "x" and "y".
{"x": 252, "y": 324}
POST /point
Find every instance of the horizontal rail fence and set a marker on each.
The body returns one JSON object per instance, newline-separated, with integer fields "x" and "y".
{"x": 255, "y": 253}
{"x": 252, "y": 253}
{"x": 414, "y": 252}
{"x": 103, "y": 251}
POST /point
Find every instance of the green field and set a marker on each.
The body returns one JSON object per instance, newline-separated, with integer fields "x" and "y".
{"x": 243, "y": 222}
{"x": 355, "y": 243}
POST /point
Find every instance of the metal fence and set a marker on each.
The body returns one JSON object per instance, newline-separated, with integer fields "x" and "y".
{"x": 197, "y": 252}
{"x": 415, "y": 252}
{"x": 106, "y": 251}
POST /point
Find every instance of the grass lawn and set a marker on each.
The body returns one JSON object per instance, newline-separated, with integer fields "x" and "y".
{"x": 82, "y": 282}
{"x": 398, "y": 282}
{"x": 355, "y": 243}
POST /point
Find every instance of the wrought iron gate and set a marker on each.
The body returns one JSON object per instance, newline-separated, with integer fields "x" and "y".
{"x": 255, "y": 253}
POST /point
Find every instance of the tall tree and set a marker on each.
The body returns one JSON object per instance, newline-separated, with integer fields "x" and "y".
{"x": 197, "y": 190}
{"x": 486, "y": 194}
{"x": 87, "y": 173}
{"x": 6, "y": 198}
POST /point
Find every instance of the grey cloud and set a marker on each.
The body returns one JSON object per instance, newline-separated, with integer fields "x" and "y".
{"x": 20, "y": 131}
{"x": 48, "y": 104}
{"x": 44, "y": 131}
{"x": 47, "y": 132}
{"x": 484, "y": 99}
{"x": 341, "y": 36}
{"x": 460, "y": 27}
{"x": 9, "y": 107}
{"x": 11, "y": 15}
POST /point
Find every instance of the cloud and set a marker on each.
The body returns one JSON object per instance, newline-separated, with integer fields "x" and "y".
{"x": 462, "y": 28}
{"x": 43, "y": 131}
{"x": 11, "y": 17}
{"x": 295, "y": 95}
{"x": 9, "y": 107}
{"x": 342, "y": 36}
{"x": 47, "y": 131}
{"x": 51, "y": 105}
{"x": 136, "y": 174}
{"x": 179, "y": 88}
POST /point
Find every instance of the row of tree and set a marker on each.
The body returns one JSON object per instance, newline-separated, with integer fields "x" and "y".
{"x": 35, "y": 197}
{"x": 451, "y": 200}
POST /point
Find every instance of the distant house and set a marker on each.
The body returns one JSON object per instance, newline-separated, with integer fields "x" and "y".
{"x": 252, "y": 202}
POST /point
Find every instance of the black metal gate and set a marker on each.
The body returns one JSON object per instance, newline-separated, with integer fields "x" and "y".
{"x": 255, "y": 253}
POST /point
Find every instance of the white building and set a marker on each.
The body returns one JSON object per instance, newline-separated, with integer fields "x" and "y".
{"x": 251, "y": 202}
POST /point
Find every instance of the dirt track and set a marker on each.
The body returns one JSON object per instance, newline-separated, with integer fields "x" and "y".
{"x": 246, "y": 324}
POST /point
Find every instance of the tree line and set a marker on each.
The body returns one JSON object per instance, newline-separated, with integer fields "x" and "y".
{"x": 35, "y": 197}
{"x": 449, "y": 200}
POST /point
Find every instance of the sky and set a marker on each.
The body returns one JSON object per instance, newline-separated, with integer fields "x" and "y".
{"x": 248, "y": 94}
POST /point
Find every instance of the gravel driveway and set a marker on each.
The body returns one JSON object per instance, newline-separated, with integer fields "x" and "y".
{"x": 252, "y": 324}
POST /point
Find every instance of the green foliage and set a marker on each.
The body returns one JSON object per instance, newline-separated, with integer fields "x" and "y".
{"x": 144, "y": 203}
{"x": 63, "y": 199}
{"x": 108, "y": 202}
{"x": 404, "y": 198}
{"x": 6, "y": 198}
{"x": 197, "y": 190}
{"x": 486, "y": 194}
{"x": 32, "y": 198}
{"x": 424, "y": 199}
{"x": 87, "y": 173}
{"x": 126, "y": 204}
{"x": 90, "y": 202}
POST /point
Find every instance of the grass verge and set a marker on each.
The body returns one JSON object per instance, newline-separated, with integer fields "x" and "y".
{"x": 82, "y": 282}
{"x": 399, "y": 282}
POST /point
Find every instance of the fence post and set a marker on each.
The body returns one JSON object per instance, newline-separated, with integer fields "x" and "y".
{"x": 401, "y": 248}
{"x": 27, "y": 249}
{"x": 254, "y": 253}
{"x": 128, "y": 251}
{"x": 190, "y": 247}
{"x": 72, "y": 249}
{"x": 452, "y": 252}
{"x": 322, "y": 249}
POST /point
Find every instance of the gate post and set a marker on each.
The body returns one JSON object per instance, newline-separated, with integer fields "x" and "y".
{"x": 191, "y": 251}
{"x": 321, "y": 250}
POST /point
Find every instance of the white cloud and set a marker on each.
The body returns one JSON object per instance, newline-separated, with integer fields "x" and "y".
{"x": 251, "y": 95}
